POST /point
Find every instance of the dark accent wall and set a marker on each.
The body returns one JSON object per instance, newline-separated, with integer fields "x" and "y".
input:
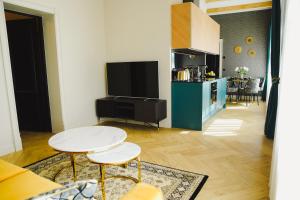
{"x": 234, "y": 30}
{"x": 183, "y": 60}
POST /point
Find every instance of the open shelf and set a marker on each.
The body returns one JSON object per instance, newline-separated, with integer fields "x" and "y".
{"x": 124, "y": 110}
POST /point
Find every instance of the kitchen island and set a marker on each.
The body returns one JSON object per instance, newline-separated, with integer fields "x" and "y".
{"x": 195, "y": 102}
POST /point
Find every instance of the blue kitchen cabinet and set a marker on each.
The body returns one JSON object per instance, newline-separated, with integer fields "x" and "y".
{"x": 192, "y": 103}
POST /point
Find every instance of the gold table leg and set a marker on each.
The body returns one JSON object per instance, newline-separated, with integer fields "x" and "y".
{"x": 72, "y": 157}
{"x": 139, "y": 169}
{"x": 102, "y": 174}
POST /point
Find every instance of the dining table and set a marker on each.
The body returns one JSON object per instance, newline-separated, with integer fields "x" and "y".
{"x": 241, "y": 84}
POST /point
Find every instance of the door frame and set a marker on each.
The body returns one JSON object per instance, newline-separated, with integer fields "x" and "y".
{"x": 53, "y": 63}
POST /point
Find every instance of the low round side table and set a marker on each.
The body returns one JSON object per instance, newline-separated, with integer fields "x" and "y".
{"x": 120, "y": 155}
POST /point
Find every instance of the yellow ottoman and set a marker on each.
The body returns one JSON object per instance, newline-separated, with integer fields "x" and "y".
{"x": 17, "y": 183}
{"x": 143, "y": 191}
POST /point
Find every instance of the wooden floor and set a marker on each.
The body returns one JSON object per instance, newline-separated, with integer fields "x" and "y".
{"x": 231, "y": 150}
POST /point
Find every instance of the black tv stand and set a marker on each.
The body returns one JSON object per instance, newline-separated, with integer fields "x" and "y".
{"x": 145, "y": 110}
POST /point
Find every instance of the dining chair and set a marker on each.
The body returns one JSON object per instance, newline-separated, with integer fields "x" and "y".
{"x": 252, "y": 90}
{"x": 261, "y": 86}
{"x": 232, "y": 90}
{"x": 242, "y": 87}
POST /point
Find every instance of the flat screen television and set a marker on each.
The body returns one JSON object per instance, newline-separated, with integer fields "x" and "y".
{"x": 133, "y": 79}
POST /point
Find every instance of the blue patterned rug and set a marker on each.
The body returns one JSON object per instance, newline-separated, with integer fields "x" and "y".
{"x": 176, "y": 184}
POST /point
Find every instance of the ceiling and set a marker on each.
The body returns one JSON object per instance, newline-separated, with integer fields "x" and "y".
{"x": 217, "y": 7}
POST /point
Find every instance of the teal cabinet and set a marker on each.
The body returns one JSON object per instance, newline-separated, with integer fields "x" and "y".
{"x": 206, "y": 98}
{"x": 192, "y": 103}
{"x": 187, "y": 105}
{"x": 221, "y": 93}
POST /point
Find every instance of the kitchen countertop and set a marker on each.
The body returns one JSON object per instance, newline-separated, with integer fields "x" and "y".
{"x": 213, "y": 80}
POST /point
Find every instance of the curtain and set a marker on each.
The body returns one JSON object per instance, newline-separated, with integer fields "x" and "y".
{"x": 268, "y": 64}
{"x": 275, "y": 64}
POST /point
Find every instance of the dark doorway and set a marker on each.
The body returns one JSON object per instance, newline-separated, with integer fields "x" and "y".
{"x": 27, "y": 54}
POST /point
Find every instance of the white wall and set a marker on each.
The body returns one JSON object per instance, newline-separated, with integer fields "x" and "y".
{"x": 82, "y": 43}
{"x": 81, "y": 55}
{"x": 203, "y": 5}
{"x": 140, "y": 30}
{"x": 53, "y": 76}
{"x": 9, "y": 134}
{"x": 81, "y": 27}
{"x": 286, "y": 161}
{"x": 7, "y": 143}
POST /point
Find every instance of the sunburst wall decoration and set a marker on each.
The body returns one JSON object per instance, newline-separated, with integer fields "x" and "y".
{"x": 252, "y": 53}
{"x": 238, "y": 49}
{"x": 249, "y": 40}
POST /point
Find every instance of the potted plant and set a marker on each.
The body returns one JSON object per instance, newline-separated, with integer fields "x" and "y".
{"x": 242, "y": 71}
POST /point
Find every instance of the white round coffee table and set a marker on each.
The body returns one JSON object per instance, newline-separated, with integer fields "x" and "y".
{"x": 86, "y": 140}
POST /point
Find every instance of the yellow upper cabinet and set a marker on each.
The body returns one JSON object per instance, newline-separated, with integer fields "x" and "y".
{"x": 194, "y": 29}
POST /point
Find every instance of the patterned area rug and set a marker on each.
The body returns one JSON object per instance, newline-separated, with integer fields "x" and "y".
{"x": 175, "y": 184}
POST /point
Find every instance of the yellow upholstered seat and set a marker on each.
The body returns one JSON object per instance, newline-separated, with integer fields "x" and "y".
{"x": 8, "y": 170}
{"x": 144, "y": 191}
{"x": 17, "y": 183}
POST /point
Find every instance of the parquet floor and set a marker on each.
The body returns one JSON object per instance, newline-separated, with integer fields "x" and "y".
{"x": 232, "y": 150}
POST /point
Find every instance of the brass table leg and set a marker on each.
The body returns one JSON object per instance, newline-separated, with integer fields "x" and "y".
{"x": 102, "y": 174}
{"x": 139, "y": 169}
{"x": 72, "y": 157}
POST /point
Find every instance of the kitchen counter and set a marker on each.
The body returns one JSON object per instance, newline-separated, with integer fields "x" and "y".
{"x": 212, "y": 80}
{"x": 195, "y": 102}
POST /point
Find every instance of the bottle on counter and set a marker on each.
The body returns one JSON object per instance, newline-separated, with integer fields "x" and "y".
{"x": 187, "y": 75}
{"x": 198, "y": 73}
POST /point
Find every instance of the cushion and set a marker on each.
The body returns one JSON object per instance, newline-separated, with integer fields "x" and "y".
{"x": 25, "y": 185}
{"x": 81, "y": 190}
{"x": 144, "y": 191}
{"x": 8, "y": 170}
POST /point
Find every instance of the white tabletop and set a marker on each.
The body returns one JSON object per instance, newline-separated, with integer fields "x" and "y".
{"x": 87, "y": 139}
{"x": 118, "y": 155}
